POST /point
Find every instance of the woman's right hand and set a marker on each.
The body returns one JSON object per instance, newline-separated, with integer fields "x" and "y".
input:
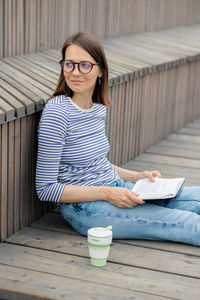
{"x": 122, "y": 197}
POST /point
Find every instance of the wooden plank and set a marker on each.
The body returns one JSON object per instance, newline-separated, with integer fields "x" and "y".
{"x": 23, "y": 173}
{"x": 45, "y": 63}
{"x": 31, "y": 23}
{"x": 13, "y": 25}
{"x": 134, "y": 118}
{"x": 79, "y": 268}
{"x": 8, "y": 110}
{"x": 166, "y": 170}
{"x": 22, "y": 284}
{"x": 130, "y": 115}
{"x": 12, "y": 101}
{"x": 17, "y": 175}
{"x": 1, "y": 194}
{"x": 2, "y": 116}
{"x": 40, "y": 81}
{"x": 24, "y": 86}
{"x": 23, "y": 93}
{"x": 20, "y": 28}
{"x": 175, "y": 150}
{"x": 179, "y": 144}
{"x": 45, "y": 75}
{"x": 169, "y": 160}
{"x": 10, "y": 180}
{"x": 7, "y": 28}
{"x": 16, "y": 98}
{"x": 189, "y": 131}
{"x": 39, "y": 67}
{"x": 1, "y": 29}
{"x": 30, "y": 167}
{"x": 4, "y": 182}
{"x": 151, "y": 259}
{"x": 184, "y": 138}
{"x": 27, "y": 82}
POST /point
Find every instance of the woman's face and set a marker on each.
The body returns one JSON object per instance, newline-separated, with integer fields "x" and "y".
{"x": 78, "y": 82}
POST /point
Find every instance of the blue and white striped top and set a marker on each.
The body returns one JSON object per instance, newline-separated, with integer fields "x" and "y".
{"x": 72, "y": 148}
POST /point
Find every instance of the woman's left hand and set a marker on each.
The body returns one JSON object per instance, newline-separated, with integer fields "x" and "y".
{"x": 148, "y": 174}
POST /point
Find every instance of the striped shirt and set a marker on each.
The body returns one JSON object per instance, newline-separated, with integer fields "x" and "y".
{"x": 72, "y": 148}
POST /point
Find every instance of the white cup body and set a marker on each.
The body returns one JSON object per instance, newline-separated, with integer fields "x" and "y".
{"x": 99, "y": 245}
{"x": 97, "y": 252}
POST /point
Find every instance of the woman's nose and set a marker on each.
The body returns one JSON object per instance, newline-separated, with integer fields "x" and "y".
{"x": 76, "y": 70}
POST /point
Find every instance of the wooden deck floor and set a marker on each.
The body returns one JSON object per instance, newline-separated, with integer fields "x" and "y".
{"x": 48, "y": 260}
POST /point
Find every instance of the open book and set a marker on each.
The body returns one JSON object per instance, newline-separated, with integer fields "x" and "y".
{"x": 162, "y": 188}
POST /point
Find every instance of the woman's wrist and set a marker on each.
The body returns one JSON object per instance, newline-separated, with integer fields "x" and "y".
{"x": 131, "y": 176}
{"x": 127, "y": 175}
{"x": 104, "y": 192}
{"x": 135, "y": 176}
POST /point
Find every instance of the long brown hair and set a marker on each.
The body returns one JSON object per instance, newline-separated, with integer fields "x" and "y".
{"x": 89, "y": 43}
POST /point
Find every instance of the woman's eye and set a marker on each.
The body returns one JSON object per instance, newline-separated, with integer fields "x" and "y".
{"x": 85, "y": 65}
{"x": 68, "y": 64}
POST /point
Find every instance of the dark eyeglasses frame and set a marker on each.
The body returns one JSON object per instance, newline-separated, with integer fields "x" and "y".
{"x": 61, "y": 62}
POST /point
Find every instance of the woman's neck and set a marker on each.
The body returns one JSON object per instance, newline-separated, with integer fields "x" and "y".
{"x": 83, "y": 101}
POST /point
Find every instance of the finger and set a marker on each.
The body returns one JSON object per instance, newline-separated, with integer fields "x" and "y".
{"x": 136, "y": 199}
{"x": 150, "y": 176}
{"x": 140, "y": 201}
{"x": 135, "y": 194}
{"x": 156, "y": 173}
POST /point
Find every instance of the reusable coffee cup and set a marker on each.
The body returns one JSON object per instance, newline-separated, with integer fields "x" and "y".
{"x": 99, "y": 239}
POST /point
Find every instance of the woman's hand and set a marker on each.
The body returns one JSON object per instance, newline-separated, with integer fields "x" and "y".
{"x": 148, "y": 174}
{"x": 122, "y": 197}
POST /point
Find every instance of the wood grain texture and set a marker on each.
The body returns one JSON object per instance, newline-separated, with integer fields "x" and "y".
{"x": 167, "y": 62}
{"x": 57, "y": 287}
{"x": 31, "y": 26}
{"x": 4, "y": 181}
{"x": 124, "y": 277}
{"x": 149, "y": 258}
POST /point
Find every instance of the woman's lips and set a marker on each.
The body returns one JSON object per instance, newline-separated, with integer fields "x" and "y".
{"x": 76, "y": 81}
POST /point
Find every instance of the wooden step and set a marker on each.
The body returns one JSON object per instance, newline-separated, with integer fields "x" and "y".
{"x": 27, "y": 81}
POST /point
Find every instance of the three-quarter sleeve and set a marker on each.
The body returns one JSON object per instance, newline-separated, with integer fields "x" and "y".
{"x": 51, "y": 140}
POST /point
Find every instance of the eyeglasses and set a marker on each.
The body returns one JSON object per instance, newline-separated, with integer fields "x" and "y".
{"x": 84, "y": 66}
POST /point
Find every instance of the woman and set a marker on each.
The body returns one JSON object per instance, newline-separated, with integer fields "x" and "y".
{"x": 72, "y": 167}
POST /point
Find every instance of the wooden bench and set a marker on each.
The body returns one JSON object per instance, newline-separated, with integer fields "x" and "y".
{"x": 154, "y": 86}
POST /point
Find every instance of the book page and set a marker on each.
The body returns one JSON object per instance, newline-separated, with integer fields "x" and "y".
{"x": 161, "y": 188}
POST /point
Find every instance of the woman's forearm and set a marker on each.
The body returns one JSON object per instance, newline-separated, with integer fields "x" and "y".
{"x": 133, "y": 176}
{"x": 126, "y": 175}
{"x": 74, "y": 193}
{"x": 119, "y": 196}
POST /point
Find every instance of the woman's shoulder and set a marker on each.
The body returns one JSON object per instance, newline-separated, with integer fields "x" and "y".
{"x": 56, "y": 109}
{"x": 60, "y": 100}
{"x": 100, "y": 109}
{"x": 58, "y": 104}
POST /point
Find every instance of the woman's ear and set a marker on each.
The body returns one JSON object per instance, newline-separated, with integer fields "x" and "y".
{"x": 100, "y": 73}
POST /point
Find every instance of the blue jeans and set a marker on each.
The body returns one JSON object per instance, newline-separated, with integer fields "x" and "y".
{"x": 177, "y": 219}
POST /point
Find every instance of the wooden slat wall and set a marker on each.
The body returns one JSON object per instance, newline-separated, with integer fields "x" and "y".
{"x": 28, "y": 26}
{"x": 1, "y": 28}
{"x": 147, "y": 109}
{"x": 19, "y": 204}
